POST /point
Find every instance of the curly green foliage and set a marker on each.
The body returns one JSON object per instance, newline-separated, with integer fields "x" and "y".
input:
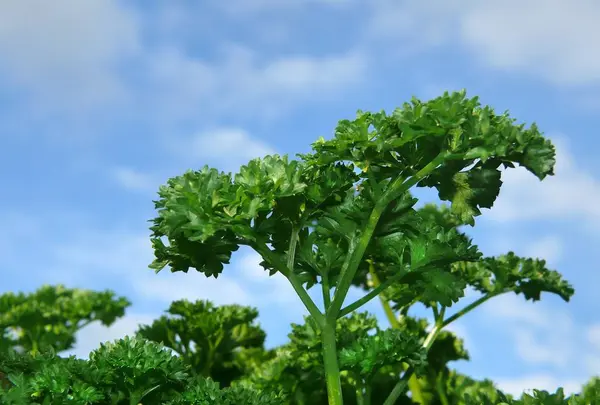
{"x": 446, "y": 348}
{"x": 316, "y": 220}
{"x": 367, "y": 355}
{"x": 456, "y": 388}
{"x": 207, "y": 392}
{"x": 591, "y": 390}
{"x": 471, "y": 141}
{"x": 450, "y": 143}
{"x": 126, "y": 371}
{"x": 213, "y": 340}
{"x": 50, "y": 317}
{"x": 412, "y": 246}
{"x": 297, "y": 368}
{"x": 444, "y": 283}
{"x": 206, "y": 215}
{"x": 537, "y": 397}
{"x": 136, "y": 367}
{"x": 590, "y": 394}
{"x": 436, "y": 379}
{"x": 509, "y": 272}
{"x": 415, "y": 259}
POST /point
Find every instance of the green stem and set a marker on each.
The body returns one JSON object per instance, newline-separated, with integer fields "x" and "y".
{"x": 363, "y": 398}
{"x": 291, "y": 257}
{"x": 441, "y": 390}
{"x": 332, "y": 370}
{"x": 353, "y": 259}
{"x": 435, "y": 331}
{"x": 436, "y": 315}
{"x": 470, "y": 307}
{"x": 310, "y": 305}
{"x": 357, "y": 250}
{"x": 389, "y": 312}
{"x": 401, "y": 385}
{"x": 376, "y": 291}
{"x": 360, "y": 398}
{"x": 367, "y": 396}
{"x": 326, "y": 290}
{"x": 399, "y": 388}
{"x": 413, "y": 383}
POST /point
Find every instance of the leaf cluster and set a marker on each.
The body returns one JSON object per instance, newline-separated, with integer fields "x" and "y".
{"x": 131, "y": 370}
{"x": 50, "y": 317}
{"x": 212, "y": 339}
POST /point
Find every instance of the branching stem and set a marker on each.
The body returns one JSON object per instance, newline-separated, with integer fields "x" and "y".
{"x": 308, "y": 302}
{"x": 400, "y": 387}
{"x": 470, "y": 307}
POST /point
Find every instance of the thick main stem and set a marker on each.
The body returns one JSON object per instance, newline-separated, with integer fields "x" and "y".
{"x": 332, "y": 369}
{"x": 349, "y": 268}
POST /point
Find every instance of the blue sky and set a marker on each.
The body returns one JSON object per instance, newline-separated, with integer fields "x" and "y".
{"x": 101, "y": 101}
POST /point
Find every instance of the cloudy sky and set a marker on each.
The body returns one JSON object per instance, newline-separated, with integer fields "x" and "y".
{"x": 101, "y": 101}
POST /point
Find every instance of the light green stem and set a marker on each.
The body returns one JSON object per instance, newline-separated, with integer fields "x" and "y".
{"x": 357, "y": 250}
{"x": 375, "y": 292}
{"x": 353, "y": 259}
{"x": 441, "y": 323}
{"x": 399, "y": 388}
{"x": 389, "y": 312}
{"x": 364, "y": 398}
{"x": 470, "y": 307}
{"x": 401, "y": 385}
{"x": 413, "y": 383}
{"x": 367, "y": 397}
{"x": 308, "y": 302}
{"x": 441, "y": 390}
{"x": 326, "y": 290}
{"x": 332, "y": 370}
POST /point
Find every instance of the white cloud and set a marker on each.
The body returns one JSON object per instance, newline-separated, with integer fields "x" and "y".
{"x": 547, "y": 339}
{"x": 552, "y": 39}
{"x": 90, "y": 337}
{"x": 228, "y": 144}
{"x": 593, "y": 335}
{"x": 571, "y": 194}
{"x": 75, "y": 58}
{"x": 412, "y": 22}
{"x": 549, "y": 248}
{"x": 132, "y": 179}
{"x": 240, "y": 80}
{"x": 167, "y": 287}
{"x": 516, "y": 386}
{"x": 302, "y": 74}
{"x": 545, "y": 336}
{"x": 550, "y": 350}
{"x": 225, "y": 148}
{"x": 122, "y": 255}
{"x": 118, "y": 260}
{"x": 276, "y": 286}
{"x": 245, "y": 8}
{"x": 65, "y": 52}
